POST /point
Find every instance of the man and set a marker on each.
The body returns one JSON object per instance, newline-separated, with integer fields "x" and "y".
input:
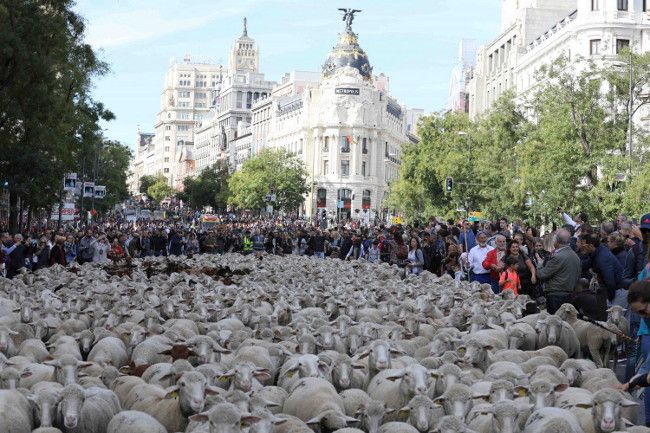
{"x": 475, "y": 260}
{"x": 489, "y": 229}
{"x": 503, "y": 228}
{"x": 580, "y": 220}
{"x": 86, "y": 248}
{"x": 494, "y": 263}
{"x": 604, "y": 265}
{"x": 637, "y": 254}
{"x": 467, "y": 240}
{"x": 560, "y": 273}
{"x": 17, "y": 256}
{"x": 318, "y": 244}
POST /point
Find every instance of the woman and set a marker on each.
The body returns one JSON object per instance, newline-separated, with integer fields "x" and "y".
{"x": 102, "y": 247}
{"x": 57, "y": 254}
{"x": 192, "y": 246}
{"x": 116, "y": 252}
{"x": 540, "y": 255}
{"x": 415, "y": 258}
{"x": 531, "y": 235}
{"x": 41, "y": 254}
{"x": 70, "y": 247}
{"x": 451, "y": 262}
{"x": 519, "y": 237}
{"x": 525, "y": 268}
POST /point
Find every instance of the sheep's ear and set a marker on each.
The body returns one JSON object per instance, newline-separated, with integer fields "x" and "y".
{"x": 395, "y": 351}
{"x": 361, "y": 410}
{"x": 316, "y": 420}
{"x": 51, "y": 363}
{"x": 278, "y": 421}
{"x": 628, "y": 403}
{"x": 212, "y": 390}
{"x": 627, "y": 422}
{"x": 584, "y": 405}
{"x": 434, "y": 373}
{"x": 520, "y": 391}
{"x": 439, "y": 401}
{"x": 262, "y": 374}
{"x": 488, "y": 347}
{"x": 171, "y": 392}
{"x": 349, "y": 419}
{"x": 248, "y": 420}
{"x": 561, "y": 387}
{"x": 84, "y": 364}
{"x": 199, "y": 417}
{"x": 404, "y": 412}
{"x": 364, "y": 353}
{"x": 394, "y": 377}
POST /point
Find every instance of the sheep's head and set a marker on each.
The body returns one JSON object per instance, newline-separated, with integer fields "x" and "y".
{"x": 542, "y": 393}
{"x": 44, "y": 403}
{"x": 606, "y": 409}
{"x": 72, "y": 398}
{"x": 225, "y": 418}
{"x": 9, "y": 378}
{"x": 66, "y": 368}
{"x": 420, "y": 411}
{"x": 191, "y": 389}
{"x": 372, "y": 415}
{"x": 243, "y": 374}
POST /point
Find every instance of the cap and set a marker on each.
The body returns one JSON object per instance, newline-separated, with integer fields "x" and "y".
{"x": 645, "y": 221}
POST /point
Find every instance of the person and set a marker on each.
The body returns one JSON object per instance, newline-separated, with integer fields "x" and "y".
{"x": 70, "y": 247}
{"x": 475, "y": 260}
{"x": 580, "y": 221}
{"x": 41, "y": 257}
{"x": 607, "y": 270}
{"x": 318, "y": 244}
{"x": 101, "y": 249}
{"x": 503, "y": 228}
{"x": 399, "y": 251}
{"x": 57, "y": 253}
{"x": 509, "y": 278}
{"x": 494, "y": 261}
{"x": 415, "y": 258}
{"x": 16, "y": 257}
{"x": 467, "y": 240}
{"x": 451, "y": 263}
{"x": 638, "y": 298}
{"x": 356, "y": 249}
{"x": 192, "y": 246}
{"x": 560, "y": 273}
{"x": 176, "y": 243}
{"x": 85, "y": 248}
{"x": 525, "y": 268}
{"x": 116, "y": 252}
{"x": 373, "y": 252}
{"x": 616, "y": 244}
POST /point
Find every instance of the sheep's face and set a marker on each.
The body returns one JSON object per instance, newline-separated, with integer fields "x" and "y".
{"x": 414, "y": 379}
{"x": 606, "y": 410}
{"x": 475, "y": 354}
{"x": 66, "y": 369}
{"x": 26, "y": 313}
{"x": 70, "y": 406}
{"x": 420, "y": 412}
{"x": 572, "y": 373}
{"x": 378, "y": 355}
{"x": 86, "y": 342}
{"x": 44, "y": 406}
{"x": 552, "y": 327}
{"x": 245, "y": 373}
{"x": 342, "y": 373}
{"x": 5, "y": 339}
{"x": 501, "y": 391}
{"x": 505, "y": 417}
{"x": 326, "y": 338}
{"x": 191, "y": 390}
{"x": 440, "y": 345}
{"x": 9, "y": 378}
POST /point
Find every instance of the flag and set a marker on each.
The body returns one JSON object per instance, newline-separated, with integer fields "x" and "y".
{"x": 351, "y": 140}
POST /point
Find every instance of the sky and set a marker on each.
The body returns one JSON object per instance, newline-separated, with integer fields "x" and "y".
{"x": 414, "y": 42}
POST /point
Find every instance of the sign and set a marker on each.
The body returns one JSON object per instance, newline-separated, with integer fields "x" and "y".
{"x": 89, "y": 189}
{"x": 67, "y": 212}
{"x": 100, "y": 191}
{"x": 70, "y": 182}
{"x": 474, "y": 217}
{"x": 346, "y": 91}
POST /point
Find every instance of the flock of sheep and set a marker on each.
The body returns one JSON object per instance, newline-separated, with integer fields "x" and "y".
{"x": 294, "y": 345}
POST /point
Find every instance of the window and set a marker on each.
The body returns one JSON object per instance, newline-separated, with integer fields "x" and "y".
{"x": 199, "y": 105}
{"x": 166, "y": 159}
{"x": 326, "y": 144}
{"x": 345, "y": 168}
{"x": 365, "y": 199}
{"x": 183, "y": 104}
{"x": 622, "y": 5}
{"x": 199, "y": 95}
{"x": 167, "y": 138}
{"x": 364, "y": 146}
{"x": 595, "y": 5}
{"x": 387, "y": 155}
{"x": 345, "y": 144}
{"x": 183, "y": 94}
{"x": 622, "y": 44}
{"x": 166, "y": 148}
{"x": 166, "y": 170}
{"x": 183, "y": 127}
{"x": 168, "y": 128}
{"x": 321, "y": 197}
{"x": 184, "y": 116}
{"x": 326, "y": 167}
{"x": 240, "y": 99}
{"x": 363, "y": 169}
{"x": 345, "y": 196}
{"x": 249, "y": 100}
{"x": 594, "y": 46}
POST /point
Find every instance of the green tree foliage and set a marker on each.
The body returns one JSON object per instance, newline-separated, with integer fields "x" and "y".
{"x": 209, "y": 188}
{"x": 112, "y": 165}
{"x": 145, "y": 182}
{"x": 48, "y": 120}
{"x": 568, "y": 150}
{"x": 160, "y": 190}
{"x": 275, "y": 169}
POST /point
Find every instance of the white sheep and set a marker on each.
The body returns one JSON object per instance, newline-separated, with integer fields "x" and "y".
{"x": 15, "y": 413}
{"x": 131, "y": 421}
{"x": 87, "y": 410}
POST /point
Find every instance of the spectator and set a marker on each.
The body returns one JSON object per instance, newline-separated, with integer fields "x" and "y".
{"x": 41, "y": 256}
{"x": 85, "y": 249}
{"x": 475, "y": 260}
{"x": 116, "y": 253}
{"x": 509, "y": 279}
{"x": 57, "y": 253}
{"x": 16, "y": 257}
{"x": 451, "y": 263}
{"x": 70, "y": 247}
{"x": 415, "y": 258}
{"x": 494, "y": 261}
{"x": 525, "y": 268}
{"x": 578, "y": 224}
{"x": 560, "y": 273}
{"x": 101, "y": 249}
{"x": 608, "y": 271}
{"x": 504, "y": 229}
{"x": 466, "y": 239}
{"x": 373, "y": 252}
{"x": 616, "y": 244}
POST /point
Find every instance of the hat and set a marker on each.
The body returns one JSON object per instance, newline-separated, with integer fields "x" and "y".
{"x": 645, "y": 221}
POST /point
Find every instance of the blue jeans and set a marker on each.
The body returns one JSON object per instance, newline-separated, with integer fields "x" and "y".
{"x": 495, "y": 286}
{"x": 645, "y": 349}
{"x": 481, "y": 278}
{"x": 319, "y": 254}
{"x": 635, "y": 322}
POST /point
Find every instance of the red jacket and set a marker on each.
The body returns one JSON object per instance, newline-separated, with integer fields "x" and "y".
{"x": 491, "y": 259}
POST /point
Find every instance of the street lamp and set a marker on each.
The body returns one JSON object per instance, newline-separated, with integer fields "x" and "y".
{"x": 469, "y": 160}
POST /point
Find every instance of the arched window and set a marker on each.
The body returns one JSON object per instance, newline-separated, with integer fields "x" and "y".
{"x": 321, "y": 198}
{"x": 345, "y": 198}
{"x": 365, "y": 200}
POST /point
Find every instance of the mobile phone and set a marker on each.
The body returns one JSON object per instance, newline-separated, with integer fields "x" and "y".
{"x": 634, "y": 221}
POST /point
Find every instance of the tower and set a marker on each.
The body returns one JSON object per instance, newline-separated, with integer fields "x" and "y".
{"x": 244, "y": 55}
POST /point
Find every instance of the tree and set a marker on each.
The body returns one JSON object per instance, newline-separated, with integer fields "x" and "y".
{"x": 145, "y": 182}
{"x": 160, "y": 189}
{"x": 112, "y": 163}
{"x": 272, "y": 169}
{"x": 48, "y": 120}
{"x": 209, "y": 188}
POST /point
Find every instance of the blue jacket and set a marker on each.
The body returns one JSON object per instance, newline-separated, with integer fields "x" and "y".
{"x": 634, "y": 262}
{"x": 609, "y": 269}
{"x": 471, "y": 240}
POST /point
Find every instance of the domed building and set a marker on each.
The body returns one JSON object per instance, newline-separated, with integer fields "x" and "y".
{"x": 345, "y": 126}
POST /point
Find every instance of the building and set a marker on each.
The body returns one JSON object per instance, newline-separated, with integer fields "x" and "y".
{"x": 537, "y": 32}
{"x": 143, "y": 161}
{"x": 458, "y": 99}
{"x": 234, "y": 97}
{"x": 346, "y": 128}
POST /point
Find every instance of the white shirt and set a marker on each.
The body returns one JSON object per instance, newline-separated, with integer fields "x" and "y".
{"x": 476, "y": 257}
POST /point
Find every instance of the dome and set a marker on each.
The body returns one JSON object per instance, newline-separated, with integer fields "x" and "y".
{"x": 347, "y": 52}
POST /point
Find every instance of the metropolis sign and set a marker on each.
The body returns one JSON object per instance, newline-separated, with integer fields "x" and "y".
{"x": 346, "y": 91}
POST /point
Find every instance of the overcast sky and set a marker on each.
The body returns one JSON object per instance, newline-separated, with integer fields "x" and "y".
{"x": 414, "y": 42}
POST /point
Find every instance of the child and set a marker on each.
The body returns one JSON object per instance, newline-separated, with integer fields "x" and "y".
{"x": 509, "y": 279}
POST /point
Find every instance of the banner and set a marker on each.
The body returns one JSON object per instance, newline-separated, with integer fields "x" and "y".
{"x": 67, "y": 212}
{"x": 100, "y": 191}
{"x": 70, "y": 182}
{"x": 89, "y": 189}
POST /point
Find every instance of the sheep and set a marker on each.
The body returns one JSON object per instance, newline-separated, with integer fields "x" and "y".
{"x": 498, "y": 417}
{"x": 420, "y": 413}
{"x": 109, "y": 350}
{"x": 397, "y": 387}
{"x": 521, "y": 336}
{"x": 132, "y": 421}
{"x": 315, "y": 401}
{"x": 552, "y": 420}
{"x": 15, "y": 413}
{"x": 206, "y": 349}
{"x": 555, "y": 331}
{"x": 378, "y": 353}
{"x": 344, "y": 374}
{"x": 353, "y": 400}
{"x": 606, "y": 408}
{"x": 451, "y": 424}
{"x": 301, "y": 366}
{"x": 548, "y": 373}
{"x": 244, "y": 376}
{"x": 44, "y": 398}
{"x": 457, "y": 400}
{"x": 87, "y": 410}
{"x": 35, "y": 349}
{"x": 397, "y": 427}
{"x": 542, "y": 393}
{"x": 372, "y": 414}
{"x": 9, "y": 378}
{"x": 7, "y": 345}
{"x": 594, "y": 340}
{"x": 275, "y": 395}
{"x": 66, "y": 368}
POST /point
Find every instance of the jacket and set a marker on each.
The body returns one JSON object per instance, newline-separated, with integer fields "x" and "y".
{"x": 609, "y": 270}
{"x": 561, "y": 272}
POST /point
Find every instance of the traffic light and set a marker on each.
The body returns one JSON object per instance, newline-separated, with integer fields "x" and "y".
{"x": 449, "y": 184}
